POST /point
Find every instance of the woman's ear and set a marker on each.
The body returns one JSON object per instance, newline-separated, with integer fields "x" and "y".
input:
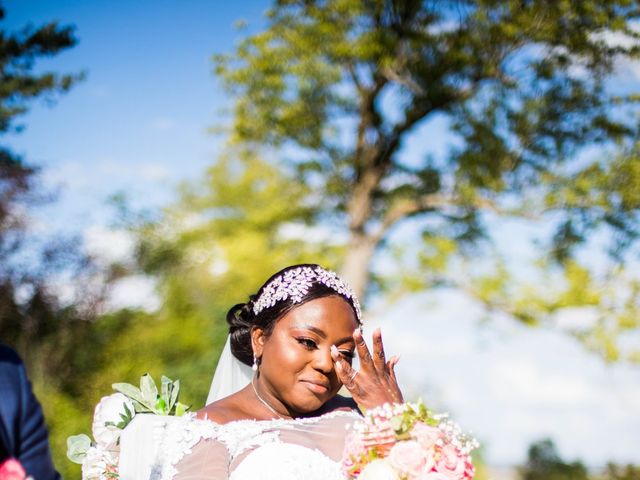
{"x": 257, "y": 341}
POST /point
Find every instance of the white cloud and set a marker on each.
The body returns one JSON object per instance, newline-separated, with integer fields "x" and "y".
{"x": 133, "y": 292}
{"x": 109, "y": 245}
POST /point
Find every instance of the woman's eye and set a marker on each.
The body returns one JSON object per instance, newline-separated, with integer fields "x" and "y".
{"x": 307, "y": 343}
{"x": 348, "y": 354}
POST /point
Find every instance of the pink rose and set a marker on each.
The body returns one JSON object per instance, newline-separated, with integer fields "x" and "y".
{"x": 434, "y": 476}
{"x": 470, "y": 470}
{"x": 409, "y": 458}
{"x": 11, "y": 469}
{"x": 426, "y": 435}
{"x": 451, "y": 463}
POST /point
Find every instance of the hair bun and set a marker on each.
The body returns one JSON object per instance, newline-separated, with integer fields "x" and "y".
{"x": 240, "y": 318}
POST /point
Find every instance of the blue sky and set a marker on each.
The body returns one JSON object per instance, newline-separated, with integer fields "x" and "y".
{"x": 141, "y": 116}
{"x": 138, "y": 124}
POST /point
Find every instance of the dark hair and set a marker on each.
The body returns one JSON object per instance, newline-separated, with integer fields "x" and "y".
{"x": 241, "y": 318}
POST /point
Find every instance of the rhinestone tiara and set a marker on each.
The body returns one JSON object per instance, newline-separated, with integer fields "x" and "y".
{"x": 294, "y": 284}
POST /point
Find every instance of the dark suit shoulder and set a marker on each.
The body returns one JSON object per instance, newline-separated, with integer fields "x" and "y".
{"x": 9, "y": 355}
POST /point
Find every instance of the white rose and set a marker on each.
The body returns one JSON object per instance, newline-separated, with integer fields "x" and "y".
{"x": 109, "y": 409}
{"x": 378, "y": 469}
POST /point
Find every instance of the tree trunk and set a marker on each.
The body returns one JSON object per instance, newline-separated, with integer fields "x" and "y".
{"x": 355, "y": 269}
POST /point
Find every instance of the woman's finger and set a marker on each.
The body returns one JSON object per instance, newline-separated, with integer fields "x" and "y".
{"x": 366, "y": 363}
{"x": 391, "y": 365}
{"x": 346, "y": 373}
{"x": 379, "y": 360}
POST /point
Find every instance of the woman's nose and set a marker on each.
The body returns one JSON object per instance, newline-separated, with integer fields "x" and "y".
{"x": 323, "y": 360}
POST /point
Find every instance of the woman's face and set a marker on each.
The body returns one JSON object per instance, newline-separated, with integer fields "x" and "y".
{"x": 296, "y": 368}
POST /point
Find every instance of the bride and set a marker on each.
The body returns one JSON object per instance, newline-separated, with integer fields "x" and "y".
{"x": 276, "y": 412}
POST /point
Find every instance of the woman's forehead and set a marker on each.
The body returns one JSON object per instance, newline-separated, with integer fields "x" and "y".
{"x": 326, "y": 314}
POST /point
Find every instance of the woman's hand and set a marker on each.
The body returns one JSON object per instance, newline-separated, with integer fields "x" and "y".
{"x": 375, "y": 383}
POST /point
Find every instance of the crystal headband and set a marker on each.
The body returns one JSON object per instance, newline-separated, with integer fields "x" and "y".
{"x": 294, "y": 284}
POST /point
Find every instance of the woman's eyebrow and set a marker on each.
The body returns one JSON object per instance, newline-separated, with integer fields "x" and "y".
{"x": 315, "y": 330}
{"x": 323, "y": 335}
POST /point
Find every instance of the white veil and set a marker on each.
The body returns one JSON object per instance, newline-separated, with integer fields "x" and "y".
{"x": 231, "y": 375}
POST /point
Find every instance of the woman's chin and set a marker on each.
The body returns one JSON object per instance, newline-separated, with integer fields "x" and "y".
{"x": 310, "y": 402}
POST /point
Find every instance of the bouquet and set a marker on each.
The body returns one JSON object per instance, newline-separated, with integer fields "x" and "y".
{"x": 99, "y": 458}
{"x": 407, "y": 442}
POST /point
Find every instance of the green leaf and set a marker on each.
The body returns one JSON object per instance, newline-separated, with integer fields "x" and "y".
{"x": 181, "y": 409}
{"x": 129, "y": 391}
{"x": 396, "y": 423}
{"x": 149, "y": 390}
{"x": 125, "y": 417}
{"x": 77, "y": 446}
{"x": 175, "y": 394}
{"x": 141, "y": 407}
{"x": 166, "y": 389}
{"x": 161, "y": 407}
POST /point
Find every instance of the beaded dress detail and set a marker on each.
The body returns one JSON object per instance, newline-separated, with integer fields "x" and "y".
{"x": 283, "y": 449}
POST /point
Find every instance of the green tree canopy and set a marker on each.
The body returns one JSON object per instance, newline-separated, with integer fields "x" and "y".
{"x": 544, "y": 463}
{"x": 347, "y": 93}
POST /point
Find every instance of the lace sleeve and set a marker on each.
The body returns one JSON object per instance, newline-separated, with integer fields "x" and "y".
{"x": 208, "y": 460}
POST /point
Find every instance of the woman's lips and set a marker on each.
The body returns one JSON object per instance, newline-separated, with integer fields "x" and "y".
{"x": 316, "y": 387}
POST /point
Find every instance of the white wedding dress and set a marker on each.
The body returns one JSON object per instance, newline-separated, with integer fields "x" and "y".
{"x": 192, "y": 449}
{"x": 184, "y": 448}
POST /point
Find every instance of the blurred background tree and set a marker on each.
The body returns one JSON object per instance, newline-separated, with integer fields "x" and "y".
{"x": 344, "y": 92}
{"x": 29, "y": 309}
{"x": 544, "y": 463}
{"x": 51, "y": 332}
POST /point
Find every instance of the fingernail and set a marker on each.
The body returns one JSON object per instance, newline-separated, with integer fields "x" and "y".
{"x": 377, "y": 331}
{"x": 334, "y": 352}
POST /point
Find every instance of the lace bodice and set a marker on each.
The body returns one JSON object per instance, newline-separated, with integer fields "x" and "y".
{"x": 308, "y": 448}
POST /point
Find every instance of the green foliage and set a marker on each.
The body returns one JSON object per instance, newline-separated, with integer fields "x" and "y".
{"x": 147, "y": 398}
{"x": 621, "y": 472}
{"x": 338, "y": 87}
{"x": 227, "y": 236}
{"x": 65, "y": 416}
{"x": 18, "y": 53}
{"x": 30, "y": 314}
{"x": 544, "y": 463}
{"x": 77, "y": 447}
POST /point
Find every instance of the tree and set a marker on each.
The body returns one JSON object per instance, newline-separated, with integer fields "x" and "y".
{"x": 544, "y": 463}
{"x": 620, "y": 472}
{"x": 217, "y": 245}
{"x": 28, "y": 306}
{"x": 341, "y": 89}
